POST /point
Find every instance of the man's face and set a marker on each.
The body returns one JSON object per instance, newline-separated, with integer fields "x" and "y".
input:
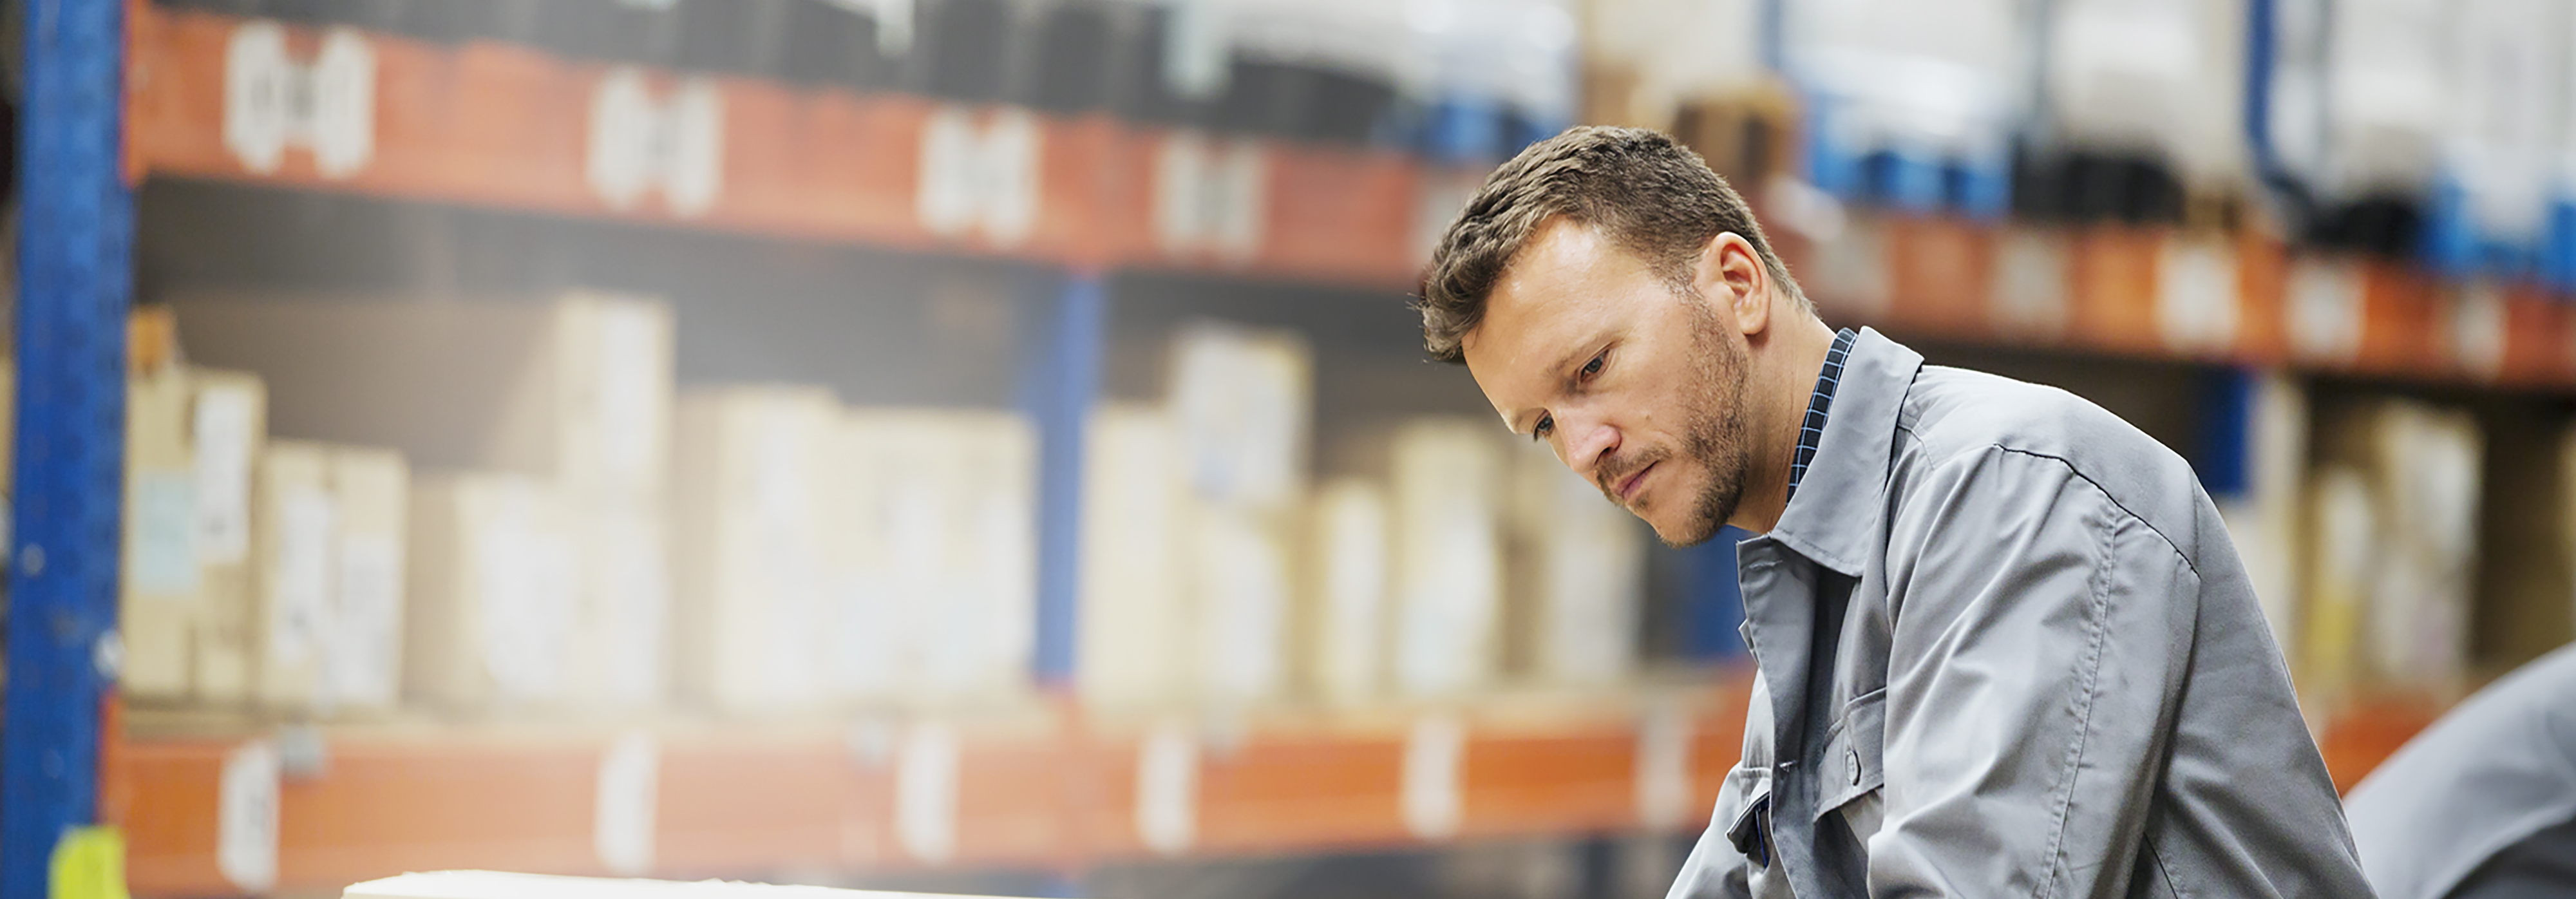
{"x": 1637, "y": 386}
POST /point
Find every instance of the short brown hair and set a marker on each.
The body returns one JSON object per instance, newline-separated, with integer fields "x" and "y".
{"x": 1648, "y": 194}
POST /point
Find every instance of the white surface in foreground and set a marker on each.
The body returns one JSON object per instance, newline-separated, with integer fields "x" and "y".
{"x": 493, "y": 885}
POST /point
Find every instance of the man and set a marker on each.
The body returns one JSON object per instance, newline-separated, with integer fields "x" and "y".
{"x": 2003, "y": 646}
{"x": 2482, "y": 805}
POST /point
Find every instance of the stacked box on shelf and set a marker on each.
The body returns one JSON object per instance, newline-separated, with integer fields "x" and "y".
{"x": 2143, "y": 112}
{"x": 192, "y": 438}
{"x": 494, "y": 618}
{"x": 1132, "y": 616}
{"x": 1446, "y": 476}
{"x": 1577, "y": 577}
{"x": 571, "y": 394}
{"x": 327, "y": 608}
{"x": 2505, "y": 107}
{"x": 2354, "y": 117}
{"x": 1351, "y": 564}
{"x": 932, "y": 563}
{"x": 2393, "y": 521}
{"x": 1873, "y": 130}
{"x": 1241, "y": 401}
{"x": 752, "y": 468}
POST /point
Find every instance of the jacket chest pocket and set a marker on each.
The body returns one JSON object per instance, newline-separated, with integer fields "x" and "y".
{"x": 1849, "y": 767}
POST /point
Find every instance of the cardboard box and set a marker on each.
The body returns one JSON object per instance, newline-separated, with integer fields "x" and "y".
{"x": 1353, "y": 564}
{"x": 1447, "y": 473}
{"x": 1243, "y": 400}
{"x": 1578, "y": 583}
{"x": 982, "y": 639}
{"x": 753, "y": 565}
{"x": 161, "y": 605}
{"x": 327, "y": 604}
{"x": 576, "y": 388}
{"x": 1131, "y": 618}
{"x": 2393, "y": 525}
{"x": 191, "y": 436}
{"x": 493, "y": 585}
{"x": 625, "y": 611}
{"x": 1237, "y": 573}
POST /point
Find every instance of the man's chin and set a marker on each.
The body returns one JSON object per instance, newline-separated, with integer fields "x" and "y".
{"x": 1693, "y": 530}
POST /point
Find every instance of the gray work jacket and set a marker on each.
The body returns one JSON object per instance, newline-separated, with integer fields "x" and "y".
{"x": 2004, "y": 648}
{"x": 2496, "y": 770}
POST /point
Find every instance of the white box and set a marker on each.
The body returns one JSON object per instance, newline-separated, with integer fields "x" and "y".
{"x": 327, "y": 602}
{"x": 1447, "y": 474}
{"x": 755, "y": 515}
{"x": 1242, "y": 399}
{"x": 1353, "y": 563}
{"x": 1131, "y": 632}
{"x": 1587, "y": 561}
{"x": 493, "y": 608}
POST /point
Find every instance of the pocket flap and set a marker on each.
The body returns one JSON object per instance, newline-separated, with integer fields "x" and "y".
{"x": 1850, "y": 767}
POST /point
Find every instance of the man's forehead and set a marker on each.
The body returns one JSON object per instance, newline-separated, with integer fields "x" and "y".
{"x": 1558, "y": 283}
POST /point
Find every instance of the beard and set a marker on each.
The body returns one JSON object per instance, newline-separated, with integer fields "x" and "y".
{"x": 1712, "y": 436}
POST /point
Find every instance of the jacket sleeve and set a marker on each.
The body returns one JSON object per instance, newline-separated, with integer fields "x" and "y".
{"x": 1715, "y": 870}
{"x": 2039, "y": 632}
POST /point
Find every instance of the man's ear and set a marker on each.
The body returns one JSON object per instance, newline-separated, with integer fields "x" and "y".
{"x": 1730, "y": 272}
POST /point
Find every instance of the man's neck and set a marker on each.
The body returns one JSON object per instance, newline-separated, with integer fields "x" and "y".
{"x": 1783, "y": 380}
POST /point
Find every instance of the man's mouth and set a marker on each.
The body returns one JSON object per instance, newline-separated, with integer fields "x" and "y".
{"x": 1629, "y": 488}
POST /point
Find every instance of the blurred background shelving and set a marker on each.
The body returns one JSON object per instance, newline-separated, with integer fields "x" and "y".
{"x": 938, "y": 442}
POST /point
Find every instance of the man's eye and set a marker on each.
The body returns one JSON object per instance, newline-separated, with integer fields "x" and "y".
{"x": 1546, "y": 423}
{"x": 1593, "y": 367}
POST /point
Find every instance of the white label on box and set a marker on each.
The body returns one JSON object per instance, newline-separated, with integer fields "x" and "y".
{"x": 2478, "y": 320}
{"x": 2325, "y": 300}
{"x": 630, "y": 775}
{"x": 1210, "y": 200}
{"x": 259, "y": 82}
{"x": 1664, "y": 790}
{"x": 623, "y": 122}
{"x": 164, "y": 564}
{"x": 1167, "y": 790}
{"x": 639, "y": 143}
{"x": 925, "y": 793}
{"x": 299, "y": 600}
{"x": 693, "y": 164}
{"x": 361, "y": 664}
{"x": 2196, "y": 296}
{"x": 272, "y": 103}
{"x": 225, "y": 431}
{"x": 1434, "y": 791}
{"x": 979, "y": 176}
{"x": 2030, "y": 284}
{"x": 246, "y": 817}
{"x": 340, "y": 126}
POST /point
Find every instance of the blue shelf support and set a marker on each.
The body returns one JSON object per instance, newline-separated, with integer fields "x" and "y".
{"x": 75, "y": 278}
{"x": 1057, "y": 391}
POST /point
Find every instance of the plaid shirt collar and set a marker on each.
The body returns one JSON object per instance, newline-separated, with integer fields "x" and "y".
{"x": 1818, "y": 404}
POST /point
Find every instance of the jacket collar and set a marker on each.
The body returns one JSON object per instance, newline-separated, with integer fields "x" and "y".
{"x": 1837, "y": 509}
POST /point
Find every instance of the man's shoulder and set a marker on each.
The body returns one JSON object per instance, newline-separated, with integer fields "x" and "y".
{"x": 1958, "y": 416}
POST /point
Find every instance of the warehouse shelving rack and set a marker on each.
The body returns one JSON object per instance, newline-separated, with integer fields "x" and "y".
{"x": 119, "y": 92}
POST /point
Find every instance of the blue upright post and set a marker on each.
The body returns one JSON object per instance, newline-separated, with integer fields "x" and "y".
{"x": 75, "y": 258}
{"x": 1058, "y": 385}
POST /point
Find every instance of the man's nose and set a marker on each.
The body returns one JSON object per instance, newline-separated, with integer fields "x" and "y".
{"x": 1588, "y": 441}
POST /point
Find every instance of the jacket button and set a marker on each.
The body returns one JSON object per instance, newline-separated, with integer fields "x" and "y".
{"x": 1851, "y": 765}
